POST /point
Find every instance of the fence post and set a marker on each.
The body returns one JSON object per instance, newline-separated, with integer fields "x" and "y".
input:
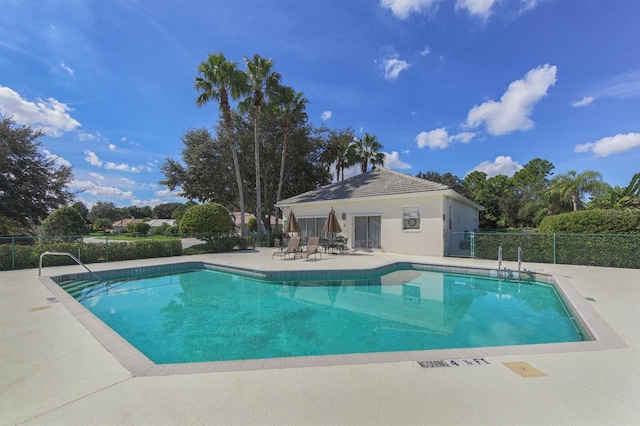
{"x": 106, "y": 246}
{"x": 554, "y": 249}
{"x": 473, "y": 245}
{"x": 13, "y": 253}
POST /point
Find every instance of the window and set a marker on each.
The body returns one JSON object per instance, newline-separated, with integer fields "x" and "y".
{"x": 411, "y": 217}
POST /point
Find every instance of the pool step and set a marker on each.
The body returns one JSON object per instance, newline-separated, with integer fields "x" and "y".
{"x": 75, "y": 288}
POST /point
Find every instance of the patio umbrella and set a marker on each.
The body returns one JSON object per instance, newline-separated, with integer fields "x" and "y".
{"x": 331, "y": 226}
{"x": 292, "y": 224}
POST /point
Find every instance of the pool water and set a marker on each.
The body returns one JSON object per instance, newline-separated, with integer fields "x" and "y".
{"x": 207, "y": 315}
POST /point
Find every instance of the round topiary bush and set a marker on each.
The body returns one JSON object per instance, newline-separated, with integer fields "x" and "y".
{"x": 204, "y": 220}
{"x": 64, "y": 222}
{"x": 625, "y": 221}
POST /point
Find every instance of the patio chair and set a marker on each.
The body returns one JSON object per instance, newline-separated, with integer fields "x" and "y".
{"x": 342, "y": 244}
{"x": 292, "y": 247}
{"x": 312, "y": 249}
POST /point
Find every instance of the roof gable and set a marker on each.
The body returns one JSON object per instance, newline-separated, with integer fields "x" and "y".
{"x": 375, "y": 183}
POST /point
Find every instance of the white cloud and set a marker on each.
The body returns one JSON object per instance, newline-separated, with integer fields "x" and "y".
{"x": 425, "y": 51}
{"x": 403, "y": 8}
{"x": 392, "y": 67}
{"x": 528, "y": 5}
{"x": 464, "y": 137}
{"x": 51, "y": 115}
{"x": 66, "y": 68}
{"x": 100, "y": 190}
{"x": 351, "y": 171}
{"x": 583, "y": 102}
{"x": 611, "y": 145}
{"x": 83, "y": 136}
{"x": 123, "y": 167}
{"x": 168, "y": 193}
{"x": 326, "y": 115}
{"x": 392, "y": 161}
{"x": 112, "y": 147}
{"x": 127, "y": 181}
{"x": 512, "y": 112}
{"x": 92, "y": 158}
{"x": 440, "y": 138}
{"x": 622, "y": 86}
{"x": 56, "y": 158}
{"x": 96, "y": 176}
{"x": 434, "y": 139}
{"x": 502, "y": 165}
{"x": 480, "y": 8}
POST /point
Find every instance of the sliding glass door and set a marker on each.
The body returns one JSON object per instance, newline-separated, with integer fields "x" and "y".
{"x": 367, "y": 232}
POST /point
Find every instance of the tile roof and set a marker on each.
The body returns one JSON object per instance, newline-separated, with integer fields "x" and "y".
{"x": 375, "y": 183}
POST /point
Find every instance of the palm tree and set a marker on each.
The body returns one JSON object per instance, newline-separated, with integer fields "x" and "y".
{"x": 377, "y": 160}
{"x": 220, "y": 80}
{"x": 368, "y": 150}
{"x": 291, "y": 106}
{"x": 342, "y": 150}
{"x": 620, "y": 197}
{"x": 575, "y": 186}
{"x": 262, "y": 81}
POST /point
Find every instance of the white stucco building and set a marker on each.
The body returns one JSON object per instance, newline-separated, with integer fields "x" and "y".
{"x": 390, "y": 211}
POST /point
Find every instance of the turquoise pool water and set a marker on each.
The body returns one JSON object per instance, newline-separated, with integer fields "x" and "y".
{"x": 207, "y": 315}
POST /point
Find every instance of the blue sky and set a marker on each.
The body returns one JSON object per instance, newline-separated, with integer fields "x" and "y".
{"x": 445, "y": 85}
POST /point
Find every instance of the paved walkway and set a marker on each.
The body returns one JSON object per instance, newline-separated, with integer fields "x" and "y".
{"x": 54, "y": 371}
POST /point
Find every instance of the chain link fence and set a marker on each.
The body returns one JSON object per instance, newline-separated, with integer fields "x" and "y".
{"x": 611, "y": 250}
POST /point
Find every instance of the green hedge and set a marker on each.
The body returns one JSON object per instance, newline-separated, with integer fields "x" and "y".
{"x": 24, "y": 257}
{"x": 16, "y": 256}
{"x": 593, "y": 222}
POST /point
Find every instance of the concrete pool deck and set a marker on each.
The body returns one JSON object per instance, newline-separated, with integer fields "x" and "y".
{"x": 55, "y": 371}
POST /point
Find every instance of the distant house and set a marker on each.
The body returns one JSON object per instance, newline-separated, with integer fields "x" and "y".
{"x": 236, "y": 219}
{"x": 154, "y": 223}
{"x": 391, "y": 212}
{"x": 120, "y": 226}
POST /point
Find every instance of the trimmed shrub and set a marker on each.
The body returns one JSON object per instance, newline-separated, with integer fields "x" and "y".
{"x": 138, "y": 228}
{"x": 625, "y": 221}
{"x": 206, "y": 219}
{"x": 64, "y": 222}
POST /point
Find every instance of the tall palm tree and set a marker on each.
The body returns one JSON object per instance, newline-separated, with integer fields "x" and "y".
{"x": 574, "y": 186}
{"x": 343, "y": 151}
{"x": 263, "y": 81}
{"x": 368, "y": 150}
{"x": 219, "y": 80}
{"x": 291, "y": 106}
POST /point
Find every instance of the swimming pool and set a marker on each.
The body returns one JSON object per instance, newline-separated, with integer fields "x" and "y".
{"x": 196, "y": 314}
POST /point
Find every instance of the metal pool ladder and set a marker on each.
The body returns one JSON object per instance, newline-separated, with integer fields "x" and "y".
{"x": 60, "y": 253}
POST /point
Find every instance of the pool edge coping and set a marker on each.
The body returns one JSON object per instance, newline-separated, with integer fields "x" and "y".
{"x": 603, "y": 335}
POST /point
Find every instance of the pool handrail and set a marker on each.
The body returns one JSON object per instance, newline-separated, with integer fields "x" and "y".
{"x": 60, "y": 253}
